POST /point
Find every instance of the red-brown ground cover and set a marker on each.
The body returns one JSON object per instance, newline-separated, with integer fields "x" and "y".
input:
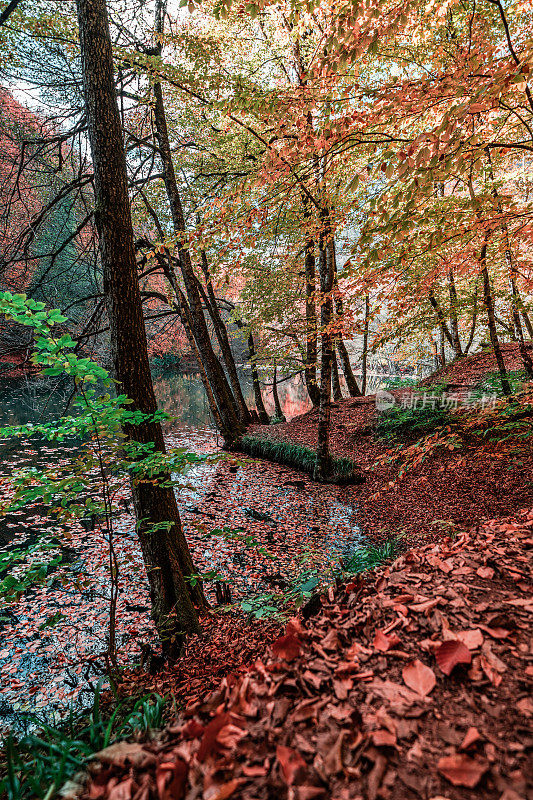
{"x": 449, "y": 493}
{"x": 412, "y": 682}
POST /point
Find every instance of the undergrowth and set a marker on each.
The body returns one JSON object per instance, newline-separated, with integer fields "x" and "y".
{"x": 492, "y": 383}
{"x": 372, "y": 556}
{"x": 295, "y": 455}
{"x": 398, "y": 422}
{"x": 38, "y": 764}
{"x": 308, "y": 583}
{"x": 506, "y": 426}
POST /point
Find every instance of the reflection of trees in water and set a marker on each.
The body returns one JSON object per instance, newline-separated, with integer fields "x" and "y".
{"x": 31, "y": 398}
{"x": 183, "y": 396}
{"x": 293, "y": 397}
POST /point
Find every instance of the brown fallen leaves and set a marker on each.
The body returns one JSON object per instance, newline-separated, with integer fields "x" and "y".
{"x": 462, "y": 770}
{"x": 415, "y": 683}
{"x": 419, "y": 678}
{"x": 452, "y": 653}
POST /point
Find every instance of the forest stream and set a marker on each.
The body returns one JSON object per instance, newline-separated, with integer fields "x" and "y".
{"x": 277, "y": 530}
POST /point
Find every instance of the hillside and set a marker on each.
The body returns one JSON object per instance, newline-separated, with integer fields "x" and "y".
{"x": 452, "y": 490}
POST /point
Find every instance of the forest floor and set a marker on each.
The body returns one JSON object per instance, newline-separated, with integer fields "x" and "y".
{"x": 449, "y": 492}
{"x": 397, "y": 684}
{"x": 400, "y": 685}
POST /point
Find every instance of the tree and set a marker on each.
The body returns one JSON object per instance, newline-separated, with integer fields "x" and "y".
{"x": 165, "y": 550}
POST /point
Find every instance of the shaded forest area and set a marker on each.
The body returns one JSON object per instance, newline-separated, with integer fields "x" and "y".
{"x": 266, "y": 375}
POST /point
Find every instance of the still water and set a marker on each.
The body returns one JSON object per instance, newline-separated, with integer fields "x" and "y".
{"x": 233, "y": 511}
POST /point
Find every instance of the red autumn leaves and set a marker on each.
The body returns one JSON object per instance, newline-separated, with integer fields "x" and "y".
{"x": 452, "y": 653}
{"x": 419, "y": 678}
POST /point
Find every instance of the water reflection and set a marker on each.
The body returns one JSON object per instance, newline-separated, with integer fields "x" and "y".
{"x": 183, "y": 396}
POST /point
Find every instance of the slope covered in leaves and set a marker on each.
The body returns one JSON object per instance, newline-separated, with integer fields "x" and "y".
{"x": 399, "y": 686}
{"x": 452, "y": 488}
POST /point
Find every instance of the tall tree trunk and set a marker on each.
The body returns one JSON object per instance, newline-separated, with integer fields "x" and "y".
{"x": 165, "y": 550}
{"x": 516, "y": 300}
{"x": 441, "y": 319}
{"x": 221, "y": 390}
{"x": 527, "y": 323}
{"x": 471, "y": 335}
{"x": 489, "y": 306}
{"x": 442, "y": 350}
{"x": 351, "y": 382}
{"x": 454, "y": 322}
{"x": 325, "y": 266}
{"x": 311, "y": 328}
{"x": 277, "y": 405}
{"x": 364, "y": 356}
{"x": 264, "y": 419}
{"x": 515, "y": 311}
{"x": 223, "y": 340}
{"x": 335, "y": 379}
{"x": 435, "y": 352}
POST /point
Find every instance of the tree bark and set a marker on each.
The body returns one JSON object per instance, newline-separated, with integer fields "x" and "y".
{"x": 471, "y": 335}
{"x": 440, "y": 318}
{"x": 364, "y": 357}
{"x": 489, "y": 306}
{"x": 335, "y": 379}
{"x": 277, "y": 405}
{"x": 454, "y": 322}
{"x": 223, "y": 340}
{"x": 264, "y": 419}
{"x": 165, "y": 550}
{"x": 227, "y": 407}
{"x": 349, "y": 376}
{"x": 311, "y": 329}
{"x": 516, "y": 300}
{"x": 325, "y": 266}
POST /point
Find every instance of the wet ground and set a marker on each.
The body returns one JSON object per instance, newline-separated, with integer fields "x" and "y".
{"x": 261, "y": 528}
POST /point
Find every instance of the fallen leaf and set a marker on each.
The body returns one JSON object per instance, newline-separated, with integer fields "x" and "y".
{"x": 287, "y": 647}
{"x": 254, "y": 770}
{"x": 333, "y": 759}
{"x": 419, "y": 677}
{"x": 452, "y": 653}
{"x": 171, "y": 779}
{"x": 122, "y": 754}
{"x": 384, "y": 738}
{"x": 291, "y": 762}
{"x": 485, "y": 572}
{"x": 471, "y": 737}
{"x": 210, "y": 735}
{"x": 384, "y": 642}
{"x": 122, "y": 791}
{"x": 461, "y": 770}
{"x": 496, "y": 633}
{"x": 224, "y": 790}
{"x": 472, "y": 638}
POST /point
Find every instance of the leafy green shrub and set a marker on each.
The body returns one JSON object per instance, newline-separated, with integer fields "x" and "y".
{"x": 492, "y": 383}
{"x": 295, "y": 455}
{"x": 398, "y": 423}
{"x": 400, "y": 383}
